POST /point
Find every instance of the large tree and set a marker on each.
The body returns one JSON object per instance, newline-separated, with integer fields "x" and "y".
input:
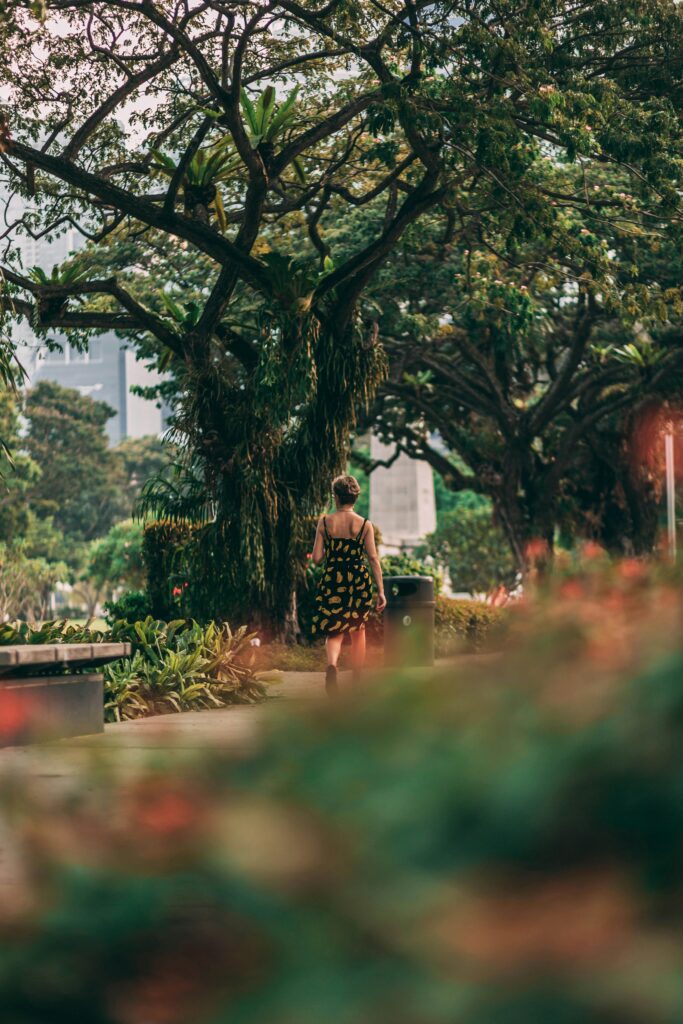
{"x": 141, "y": 459}
{"x": 535, "y": 366}
{"x": 81, "y": 484}
{"x": 149, "y": 122}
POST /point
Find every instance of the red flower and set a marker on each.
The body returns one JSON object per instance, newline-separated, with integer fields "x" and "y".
{"x": 632, "y": 569}
{"x": 15, "y": 709}
{"x": 536, "y": 549}
{"x": 177, "y": 591}
{"x": 572, "y": 589}
{"x": 164, "y": 809}
{"x": 591, "y": 550}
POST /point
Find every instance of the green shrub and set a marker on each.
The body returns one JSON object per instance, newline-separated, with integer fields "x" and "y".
{"x": 179, "y": 666}
{"x": 465, "y": 624}
{"x": 409, "y": 565}
{"x": 115, "y": 560}
{"x": 475, "y": 550}
{"x": 131, "y": 606}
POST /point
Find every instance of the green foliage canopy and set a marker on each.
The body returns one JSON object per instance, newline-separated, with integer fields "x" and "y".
{"x": 403, "y": 110}
{"x": 80, "y": 483}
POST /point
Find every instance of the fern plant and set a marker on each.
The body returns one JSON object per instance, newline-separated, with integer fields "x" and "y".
{"x": 266, "y": 120}
{"x": 215, "y": 165}
{"x": 210, "y": 167}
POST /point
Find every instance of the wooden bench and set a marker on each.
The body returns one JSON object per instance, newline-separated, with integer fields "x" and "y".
{"x": 47, "y": 691}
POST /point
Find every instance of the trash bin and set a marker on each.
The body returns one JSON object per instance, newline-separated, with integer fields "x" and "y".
{"x": 409, "y": 620}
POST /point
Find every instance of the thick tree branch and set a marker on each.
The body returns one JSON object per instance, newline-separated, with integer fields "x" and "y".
{"x": 141, "y": 318}
{"x": 322, "y": 130}
{"x": 543, "y": 411}
{"x": 184, "y": 163}
{"x": 205, "y": 238}
{"x": 81, "y": 136}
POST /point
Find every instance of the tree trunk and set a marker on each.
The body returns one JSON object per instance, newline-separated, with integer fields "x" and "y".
{"x": 528, "y": 522}
{"x": 267, "y": 454}
{"x": 289, "y": 631}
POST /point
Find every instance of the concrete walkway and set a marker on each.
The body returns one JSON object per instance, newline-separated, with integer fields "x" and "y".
{"x": 56, "y": 769}
{"x": 231, "y": 727}
{"x": 235, "y": 728}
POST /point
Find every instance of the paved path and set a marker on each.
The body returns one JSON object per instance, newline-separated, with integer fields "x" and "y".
{"x": 58, "y": 768}
{"x": 233, "y": 728}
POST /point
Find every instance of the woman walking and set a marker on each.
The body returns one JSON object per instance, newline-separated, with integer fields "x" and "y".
{"x": 344, "y": 599}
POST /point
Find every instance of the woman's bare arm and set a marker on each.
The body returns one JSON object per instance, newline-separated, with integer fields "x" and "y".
{"x": 319, "y": 545}
{"x": 373, "y": 558}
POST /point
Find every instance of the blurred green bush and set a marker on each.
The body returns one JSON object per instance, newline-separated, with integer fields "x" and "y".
{"x": 500, "y": 844}
{"x": 132, "y": 606}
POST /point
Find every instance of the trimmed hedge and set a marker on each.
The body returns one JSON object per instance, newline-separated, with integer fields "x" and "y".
{"x": 472, "y": 624}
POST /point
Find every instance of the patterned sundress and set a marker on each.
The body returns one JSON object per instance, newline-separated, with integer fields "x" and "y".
{"x": 344, "y": 597}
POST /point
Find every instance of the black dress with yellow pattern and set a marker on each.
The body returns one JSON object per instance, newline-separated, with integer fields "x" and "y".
{"x": 344, "y": 597}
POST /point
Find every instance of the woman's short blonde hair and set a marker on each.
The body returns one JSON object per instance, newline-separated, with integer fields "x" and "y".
{"x": 346, "y": 489}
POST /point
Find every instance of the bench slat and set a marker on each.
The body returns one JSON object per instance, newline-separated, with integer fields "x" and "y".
{"x": 48, "y": 654}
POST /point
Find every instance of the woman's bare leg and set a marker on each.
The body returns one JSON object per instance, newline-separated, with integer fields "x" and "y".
{"x": 358, "y": 649}
{"x": 333, "y": 646}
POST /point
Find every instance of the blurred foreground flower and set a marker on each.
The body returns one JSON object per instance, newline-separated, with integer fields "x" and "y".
{"x": 502, "y": 842}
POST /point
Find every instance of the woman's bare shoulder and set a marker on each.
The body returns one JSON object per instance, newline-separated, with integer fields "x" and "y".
{"x": 345, "y": 520}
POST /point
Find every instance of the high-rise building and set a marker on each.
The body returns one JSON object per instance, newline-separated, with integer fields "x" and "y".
{"x": 106, "y": 372}
{"x": 402, "y": 501}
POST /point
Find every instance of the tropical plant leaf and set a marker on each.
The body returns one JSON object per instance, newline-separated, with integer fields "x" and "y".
{"x": 249, "y": 112}
{"x": 282, "y": 115}
{"x": 220, "y": 211}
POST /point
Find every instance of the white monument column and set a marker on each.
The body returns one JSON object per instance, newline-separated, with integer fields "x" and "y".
{"x": 402, "y": 500}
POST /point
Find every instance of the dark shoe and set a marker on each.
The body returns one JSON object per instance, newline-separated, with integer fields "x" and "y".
{"x": 331, "y": 680}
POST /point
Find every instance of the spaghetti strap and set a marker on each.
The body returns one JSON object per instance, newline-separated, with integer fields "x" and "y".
{"x": 359, "y": 535}
{"x": 325, "y": 527}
